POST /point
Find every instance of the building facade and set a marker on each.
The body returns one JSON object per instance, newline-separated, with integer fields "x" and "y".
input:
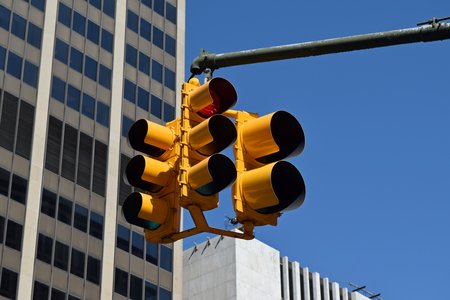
{"x": 234, "y": 269}
{"x": 74, "y": 76}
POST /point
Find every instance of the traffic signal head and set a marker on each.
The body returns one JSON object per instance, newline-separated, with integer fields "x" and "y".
{"x": 145, "y": 211}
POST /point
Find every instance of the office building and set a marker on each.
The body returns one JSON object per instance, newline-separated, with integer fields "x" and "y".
{"x": 234, "y": 269}
{"x": 74, "y": 75}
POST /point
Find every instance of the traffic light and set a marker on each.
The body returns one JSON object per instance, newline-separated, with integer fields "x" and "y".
{"x": 266, "y": 186}
{"x": 205, "y": 133}
{"x": 156, "y": 209}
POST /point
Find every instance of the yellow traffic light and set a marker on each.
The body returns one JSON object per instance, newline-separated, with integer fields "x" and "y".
{"x": 266, "y": 186}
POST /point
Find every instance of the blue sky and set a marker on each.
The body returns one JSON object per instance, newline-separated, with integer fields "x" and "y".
{"x": 377, "y": 124}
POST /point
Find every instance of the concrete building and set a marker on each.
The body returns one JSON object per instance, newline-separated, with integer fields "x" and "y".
{"x": 74, "y": 75}
{"x": 235, "y": 269}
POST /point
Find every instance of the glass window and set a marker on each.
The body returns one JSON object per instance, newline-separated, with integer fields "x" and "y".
{"x": 34, "y": 35}
{"x": 171, "y": 13}
{"x": 131, "y": 55}
{"x": 156, "y": 107}
{"x": 65, "y": 15}
{"x": 166, "y": 258}
{"x": 80, "y": 218}
{"x": 61, "y": 51}
{"x": 14, "y": 65}
{"x": 158, "y": 6}
{"x": 93, "y": 270}
{"x": 99, "y": 174}
{"x": 135, "y": 287}
{"x": 2, "y": 229}
{"x": 25, "y": 129}
{"x": 48, "y": 204}
{"x": 107, "y": 40}
{"x": 137, "y": 244}
{"x": 164, "y": 294}
{"x": 44, "y": 248}
{"x": 18, "y": 26}
{"x": 93, "y": 32}
{"x": 19, "y": 189}
{"x": 156, "y": 71}
{"x": 53, "y": 151}
{"x": 121, "y": 282}
{"x": 58, "y": 89}
{"x": 58, "y": 295}
{"x": 14, "y": 235}
{"x": 73, "y": 97}
{"x": 102, "y": 114}
{"x": 77, "y": 263}
{"x": 69, "y": 152}
{"x": 61, "y": 257}
{"x": 79, "y": 23}
{"x": 39, "y": 4}
{"x": 170, "y": 45}
{"x": 124, "y": 188}
{"x": 123, "y": 238}
{"x": 30, "y": 74}
{"x": 8, "y": 121}
{"x": 151, "y": 254}
{"x": 90, "y": 68}
{"x": 88, "y": 106}
{"x": 151, "y": 291}
{"x": 2, "y": 57}
{"x": 76, "y": 60}
{"x": 147, "y": 3}
{"x": 8, "y": 285}
{"x": 126, "y": 124}
{"x": 158, "y": 37}
{"x": 84, "y": 161}
{"x": 40, "y": 291}
{"x": 132, "y": 21}
{"x": 146, "y": 30}
{"x": 169, "y": 112}
{"x": 169, "y": 79}
{"x": 105, "y": 76}
{"x": 65, "y": 210}
{"x": 129, "y": 91}
{"x": 143, "y": 96}
{"x": 96, "y": 3}
{"x": 71, "y": 297}
{"x": 4, "y": 182}
{"x": 109, "y": 7}
{"x": 144, "y": 63}
{"x": 5, "y": 16}
{"x": 96, "y": 225}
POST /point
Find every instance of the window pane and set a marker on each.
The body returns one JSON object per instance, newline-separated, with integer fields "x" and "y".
{"x": 34, "y": 35}
{"x": 147, "y": 3}
{"x": 158, "y": 6}
{"x": 61, "y": 256}
{"x": 69, "y": 152}
{"x": 151, "y": 254}
{"x": 99, "y": 175}
{"x": 79, "y": 23}
{"x": 93, "y": 270}
{"x": 107, "y": 40}
{"x": 158, "y": 37}
{"x": 88, "y": 106}
{"x": 30, "y": 74}
{"x": 2, "y": 57}
{"x": 164, "y": 294}
{"x": 5, "y": 17}
{"x": 8, "y": 285}
{"x": 96, "y": 3}
{"x": 150, "y": 291}
{"x": 135, "y": 287}
{"x": 144, "y": 63}
{"x": 58, "y": 89}
{"x": 156, "y": 71}
{"x": 65, "y": 210}
{"x": 61, "y": 51}
{"x": 53, "y": 144}
{"x": 143, "y": 98}
{"x": 2, "y": 229}
{"x": 80, "y": 218}
{"x": 145, "y": 30}
{"x": 102, "y": 114}
{"x": 166, "y": 258}
{"x": 96, "y": 225}
{"x": 44, "y": 248}
{"x": 123, "y": 238}
{"x": 90, "y": 68}
{"x": 8, "y": 121}
{"x": 93, "y": 32}
{"x": 171, "y": 13}
{"x": 48, "y": 205}
{"x": 121, "y": 282}
{"x": 84, "y": 161}
{"x": 25, "y": 130}
{"x": 77, "y": 263}
{"x": 105, "y": 76}
{"x": 58, "y": 295}
{"x": 124, "y": 188}
{"x": 14, "y": 65}
{"x": 4, "y": 182}
{"x": 131, "y": 55}
{"x": 39, "y": 4}
{"x": 129, "y": 91}
{"x": 169, "y": 79}
{"x": 126, "y": 124}
{"x": 132, "y": 21}
{"x": 18, "y": 26}
{"x": 76, "y": 60}
{"x": 19, "y": 189}
{"x": 170, "y": 45}
{"x": 65, "y": 15}
{"x": 40, "y": 291}
{"x": 137, "y": 245}
{"x": 109, "y": 7}
{"x": 169, "y": 112}
{"x": 14, "y": 235}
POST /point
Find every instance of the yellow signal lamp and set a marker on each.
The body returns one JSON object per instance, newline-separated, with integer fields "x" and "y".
{"x": 148, "y": 174}
{"x": 145, "y": 211}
